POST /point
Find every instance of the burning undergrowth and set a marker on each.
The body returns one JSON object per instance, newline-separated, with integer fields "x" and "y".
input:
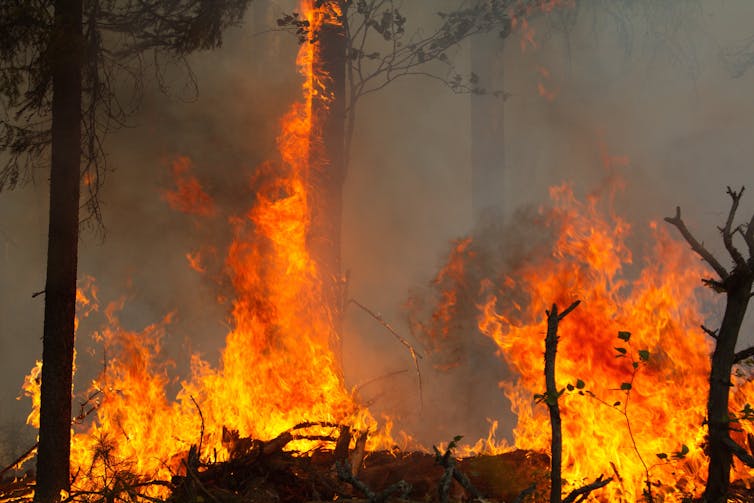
{"x": 633, "y": 362}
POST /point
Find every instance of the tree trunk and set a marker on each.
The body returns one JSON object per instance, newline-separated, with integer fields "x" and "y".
{"x": 738, "y": 291}
{"x": 327, "y": 165}
{"x": 53, "y": 458}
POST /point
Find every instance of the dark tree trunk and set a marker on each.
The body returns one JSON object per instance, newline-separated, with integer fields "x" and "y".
{"x": 551, "y": 399}
{"x": 53, "y": 458}
{"x": 327, "y": 164}
{"x": 738, "y": 292}
{"x": 487, "y": 128}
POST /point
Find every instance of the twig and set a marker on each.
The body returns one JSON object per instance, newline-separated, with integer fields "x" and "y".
{"x": 739, "y": 452}
{"x": 585, "y": 490}
{"x": 699, "y": 248}
{"x": 448, "y": 462}
{"x": 414, "y": 354}
{"x": 743, "y": 354}
{"x": 710, "y": 332}
{"x": 201, "y": 432}
{"x": 19, "y": 460}
{"x": 728, "y": 233}
{"x": 401, "y": 487}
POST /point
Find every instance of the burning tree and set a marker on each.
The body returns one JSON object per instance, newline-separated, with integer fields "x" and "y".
{"x": 736, "y": 284}
{"x": 60, "y": 62}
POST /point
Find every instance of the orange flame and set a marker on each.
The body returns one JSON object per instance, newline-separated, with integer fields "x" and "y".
{"x": 647, "y": 394}
{"x": 189, "y": 196}
{"x": 277, "y": 368}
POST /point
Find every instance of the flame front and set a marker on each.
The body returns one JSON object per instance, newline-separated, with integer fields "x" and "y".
{"x": 638, "y": 398}
{"x": 277, "y": 368}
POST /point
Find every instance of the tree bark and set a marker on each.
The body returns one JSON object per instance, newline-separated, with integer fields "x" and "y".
{"x": 53, "y": 457}
{"x": 738, "y": 291}
{"x": 327, "y": 164}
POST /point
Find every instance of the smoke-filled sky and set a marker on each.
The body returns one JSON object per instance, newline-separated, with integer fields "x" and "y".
{"x": 651, "y": 88}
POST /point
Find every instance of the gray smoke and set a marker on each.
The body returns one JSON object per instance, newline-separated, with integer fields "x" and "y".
{"x": 659, "y": 94}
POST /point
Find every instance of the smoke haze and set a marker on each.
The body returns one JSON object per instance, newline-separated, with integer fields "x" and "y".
{"x": 651, "y": 100}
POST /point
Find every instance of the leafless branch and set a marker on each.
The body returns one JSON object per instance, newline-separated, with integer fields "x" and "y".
{"x": 743, "y": 354}
{"x": 710, "y": 332}
{"x": 739, "y": 452}
{"x": 582, "y": 492}
{"x": 728, "y": 230}
{"x": 699, "y": 248}
{"x": 414, "y": 354}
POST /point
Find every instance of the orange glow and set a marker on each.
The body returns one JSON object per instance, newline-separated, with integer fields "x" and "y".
{"x": 189, "y": 196}
{"x": 656, "y": 302}
{"x": 277, "y": 368}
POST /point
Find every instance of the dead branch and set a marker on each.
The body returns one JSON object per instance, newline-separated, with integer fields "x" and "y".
{"x": 277, "y": 443}
{"x": 739, "y": 452}
{"x": 201, "y": 431}
{"x": 743, "y": 354}
{"x": 401, "y": 487}
{"x": 728, "y": 230}
{"x": 447, "y": 461}
{"x": 525, "y": 493}
{"x": 698, "y": 248}
{"x": 584, "y": 491}
{"x": 357, "y": 455}
{"x": 749, "y": 237}
{"x": 19, "y": 460}
{"x": 414, "y": 354}
{"x": 710, "y": 332}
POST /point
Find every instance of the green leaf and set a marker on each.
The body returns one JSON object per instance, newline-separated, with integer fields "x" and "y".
{"x": 626, "y": 386}
{"x": 616, "y": 404}
{"x": 644, "y": 355}
{"x": 580, "y": 384}
{"x": 622, "y": 351}
{"x": 570, "y": 387}
{"x": 662, "y": 455}
{"x": 624, "y": 336}
{"x": 635, "y": 365}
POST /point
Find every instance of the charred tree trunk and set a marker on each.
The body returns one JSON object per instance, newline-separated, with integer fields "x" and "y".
{"x": 53, "y": 458}
{"x": 737, "y": 286}
{"x": 327, "y": 161}
{"x": 738, "y": 292}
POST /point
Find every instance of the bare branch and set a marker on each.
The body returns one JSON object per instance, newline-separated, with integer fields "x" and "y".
{"x": 710, "y": 332}
{"x": 568, "y": 310}
{"x": 739, "y": 452}
{"x": 699, "y": 248}
{"x": 743, "y": 354}
{"x": 414, "y": 354}
{"x": 583, "y": 491}
{"x": 728, "y": 230}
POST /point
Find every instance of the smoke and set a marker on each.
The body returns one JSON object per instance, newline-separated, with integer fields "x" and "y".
{"x": 633, "y": 95}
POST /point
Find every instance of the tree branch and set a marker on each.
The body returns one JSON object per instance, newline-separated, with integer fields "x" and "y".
{"x": 699, "y": 248}
{"x": 585, "y": 490}
{"x": 728, "y": 230}
{"x": 710, "y": 332}
{"x": 739, "y": 452}
{"x": 743, "y": 354}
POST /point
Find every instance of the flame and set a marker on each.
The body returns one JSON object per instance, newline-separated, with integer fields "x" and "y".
{"x": 277, "y": 368}
{"x": 607, "y": 428}
{"x": 189, "y": 196}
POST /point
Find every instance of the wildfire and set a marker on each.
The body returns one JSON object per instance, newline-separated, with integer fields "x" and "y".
{"x": 632, "y": 355}
{"x": 277, "y": 368}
